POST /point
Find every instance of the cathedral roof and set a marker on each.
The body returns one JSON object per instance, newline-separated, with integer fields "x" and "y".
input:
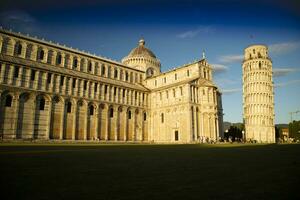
{"x": 141, "y": 51}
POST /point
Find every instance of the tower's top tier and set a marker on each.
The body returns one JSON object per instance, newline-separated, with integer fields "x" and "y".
{"x": 256, "y": 51}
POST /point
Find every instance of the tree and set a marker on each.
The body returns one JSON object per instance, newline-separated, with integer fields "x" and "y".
{"x": 234, "y": 132}
{"x": 294, "y": 129}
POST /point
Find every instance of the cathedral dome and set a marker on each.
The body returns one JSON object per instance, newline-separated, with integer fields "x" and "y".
{"x": 141, "y": 51}
{"x": 143, "y": 59}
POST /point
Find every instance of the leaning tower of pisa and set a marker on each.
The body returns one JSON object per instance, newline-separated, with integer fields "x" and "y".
{"x": 258, "y": 96}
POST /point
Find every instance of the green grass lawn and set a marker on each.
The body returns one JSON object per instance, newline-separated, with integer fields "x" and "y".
{"x": 89, "y": 171}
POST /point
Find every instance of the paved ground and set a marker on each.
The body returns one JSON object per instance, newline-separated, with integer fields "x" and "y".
{"x": 89, "y": 171}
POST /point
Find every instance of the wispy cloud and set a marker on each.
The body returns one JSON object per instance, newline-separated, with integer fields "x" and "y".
{"x": 195, "y": 32}
{"x": 283, "y": 84}
{"x": 18, "y": 21}
{"x": 278, "y": 72}
{"x": 219, "y": 68}
{"x": 231, "y": 58}
{"x": 231, "y": 91}
{"x": 285, "y": 47}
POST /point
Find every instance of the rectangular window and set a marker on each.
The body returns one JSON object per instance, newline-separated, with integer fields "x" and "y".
{"x": 96, "y": 87}
{"x": 188, "y": 72}
{"x": 90, "y": 66}
{"x": 181, "y": 93}
{"x": 175, "y": 76}
{"x": 16, "y": 73}
{"x": 115, "y": 91}
{"x": 49, "y": 78}
{"x": 85, "y": 85}
{"x": 103, "y": 70}
{"x": 74, "y": 82}
{"x": 62, "y": 78}
{"x": 123, "y": 92}
{"x": 32, "y": 75}
{"x": 105, "y": 89}
{"x": 174, "y": 93}
{"x": 162, "y": 118}
{"x": 176, "y": 136}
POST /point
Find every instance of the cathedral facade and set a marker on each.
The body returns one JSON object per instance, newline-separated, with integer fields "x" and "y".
{"x": 51, "y": 92}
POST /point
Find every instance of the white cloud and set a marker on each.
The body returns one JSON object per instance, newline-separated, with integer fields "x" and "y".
{"x": 18, "y": 20}
{"x": 231, "y": 58}
{"x": 285, "y": 47}
{"x": 195, "y": 32}
{"x": 231, "y": 91}
{"x": 277, "y": 72}
{"x": 218, "y": 68}
{"x": 283, "y": 84}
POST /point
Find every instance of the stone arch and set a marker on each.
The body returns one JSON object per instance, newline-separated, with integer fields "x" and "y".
{"x": 69, "y": 114}
{"x": 82, "y": 65}
{"x": 81, "y": 111}
{"x": 8, "y": 117}
{"x": 50, "y": 56}
{"x": 57, "y": 114}
{"x": 18, "y": 48}
{"x": 40, "y": 54}
{"x": 111, "y": 125}
{"x": 42, "y": 116}
{"x": 26, "y": 113}
{"x": 92, "y": 121}
{"x": 122, "y": 120}
{"x": 102, "y": 121}
{"x": 138, "y": 125}
{"x": 129, "y": 124}
{"x": 145, "y": 119}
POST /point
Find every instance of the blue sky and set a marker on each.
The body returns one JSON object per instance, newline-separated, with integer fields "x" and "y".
{"x": 177, "y": 32}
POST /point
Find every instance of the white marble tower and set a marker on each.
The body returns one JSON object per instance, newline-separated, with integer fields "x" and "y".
{"x": 258, "y": 95}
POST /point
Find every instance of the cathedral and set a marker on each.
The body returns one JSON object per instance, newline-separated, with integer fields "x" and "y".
{"x": 52, "y": 92}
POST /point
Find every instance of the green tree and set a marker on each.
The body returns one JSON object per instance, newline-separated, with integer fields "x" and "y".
{"x": 294, "y": 129}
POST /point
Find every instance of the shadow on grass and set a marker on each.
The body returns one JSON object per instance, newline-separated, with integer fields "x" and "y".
{"x": 93, "y": 171}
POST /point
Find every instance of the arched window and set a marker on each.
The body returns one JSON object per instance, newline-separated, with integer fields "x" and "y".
{"x": 259, "y": 65}
{"x": 42, "y": 104}
{"x": 145, "y": 116}
{"x": 129, "y": 114}
{"x": 75, "y": 63}
{"x": 111, "y": 113}
{"x": 126, "y": 76}
{"x": 59, "y": 59}
{"x": 69, "y": 107}
{"x": 116, "y": 73}
{"x": 90, "y": 66}
{"x": 188, "y": 72}
{"x": 42, "y": 53}
{"x": 108, "y": 71}
{"x": 162, "y": 118}
{"x": 175, "y": 76}
{"x": 259, "y": 55}
{"x": 91, "y": 110}
{"x": 103, "y": 70}
{"x": 8, "y": 101}
{"x": 19, "y": 49}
